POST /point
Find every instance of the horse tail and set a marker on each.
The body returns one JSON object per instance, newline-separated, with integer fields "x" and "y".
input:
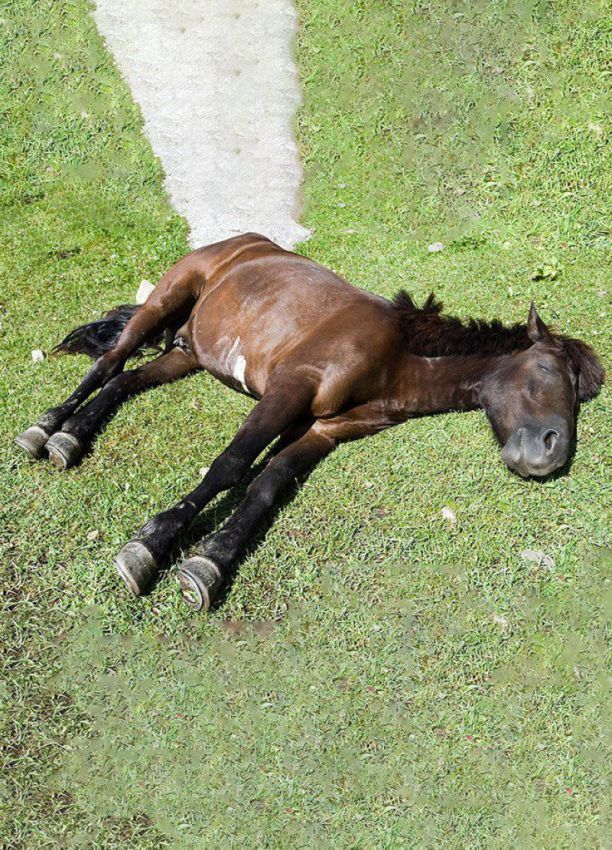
{"x": 102, "y": 335}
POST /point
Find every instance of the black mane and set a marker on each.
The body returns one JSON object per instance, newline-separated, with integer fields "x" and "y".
{"x": 427, "y": 333}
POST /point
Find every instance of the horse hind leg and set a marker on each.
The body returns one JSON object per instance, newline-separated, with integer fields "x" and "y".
{"x": 110, "y": 342}
{"x": 67, "y": 446}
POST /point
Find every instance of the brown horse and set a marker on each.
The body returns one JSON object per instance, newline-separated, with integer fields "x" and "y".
{"x": 327, "y": 362}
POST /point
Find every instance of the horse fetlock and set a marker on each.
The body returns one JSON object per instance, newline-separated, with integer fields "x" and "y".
{"x": 33, "y": 440}
{"x": 219, "y": 548}
{"x": 162, "y": 529}
{"x": 137, "y": 567}
{"x": 64, "y": 450}
{"x": 200, "y": 579}
{"x": 53, "y": 419}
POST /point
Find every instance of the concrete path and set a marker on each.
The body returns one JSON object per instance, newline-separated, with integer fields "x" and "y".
{"x": 218, "y": 90}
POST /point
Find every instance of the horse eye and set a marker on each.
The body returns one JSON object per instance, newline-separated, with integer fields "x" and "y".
{"x": 543, "y": 368}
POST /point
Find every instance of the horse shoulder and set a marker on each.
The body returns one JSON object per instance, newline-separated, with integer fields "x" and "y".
{"x": 355, "y": 366}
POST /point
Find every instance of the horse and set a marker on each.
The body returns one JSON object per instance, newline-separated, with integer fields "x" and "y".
{"x": 326, "y": 362}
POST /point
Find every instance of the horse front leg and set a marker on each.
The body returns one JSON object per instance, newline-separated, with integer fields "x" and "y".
{"x": 201, "y": 575}
{"x": 287, "y": 400}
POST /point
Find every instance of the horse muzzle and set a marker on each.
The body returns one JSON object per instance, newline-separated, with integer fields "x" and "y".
{"x": 536, "y": 451}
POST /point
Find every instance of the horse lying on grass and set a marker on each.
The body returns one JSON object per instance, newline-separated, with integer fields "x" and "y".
{"x": 326, "y": 362}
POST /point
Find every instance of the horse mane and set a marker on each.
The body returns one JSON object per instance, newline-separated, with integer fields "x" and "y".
{"x": 428, "y": 333}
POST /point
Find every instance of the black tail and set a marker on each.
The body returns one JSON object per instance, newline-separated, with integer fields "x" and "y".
{"x": 101, "y": 336}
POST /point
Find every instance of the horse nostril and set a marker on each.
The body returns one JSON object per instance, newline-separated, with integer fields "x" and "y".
{"x": 550, "y": 439}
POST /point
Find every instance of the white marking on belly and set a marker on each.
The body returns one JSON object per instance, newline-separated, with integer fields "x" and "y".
{"x": 237, "y": 364}
{"x": 239, "y": 370}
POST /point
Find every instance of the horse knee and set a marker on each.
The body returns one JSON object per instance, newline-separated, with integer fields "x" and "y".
{"x": 266, "y": 487}
{"x": 228, "y": 469}
{"x": 121, "y": 383}
{"x": 109, "y": 365}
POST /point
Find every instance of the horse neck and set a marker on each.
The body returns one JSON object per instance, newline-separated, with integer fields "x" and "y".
{"x": 438, "y": 384}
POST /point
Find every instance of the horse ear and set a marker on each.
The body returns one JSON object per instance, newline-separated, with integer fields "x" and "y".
{"x": 536, "y": 329}
{"x": 591, "y": 375}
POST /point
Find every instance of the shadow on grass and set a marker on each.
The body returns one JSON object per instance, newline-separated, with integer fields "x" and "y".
{"x": 214, "y": 516}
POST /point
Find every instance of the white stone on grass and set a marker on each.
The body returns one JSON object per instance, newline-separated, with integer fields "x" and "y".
{"x": 435, "y": 247}
{"x": 449, "y": 515}
{"x": 144, "y": 290}
{"x": 37, "y": 355}
{"x": 537, "y": 557}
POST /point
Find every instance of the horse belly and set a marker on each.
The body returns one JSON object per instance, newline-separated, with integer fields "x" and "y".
{"x": 228, "y": 361}
{"x": 244, "y": 327}
{"x": 239, "y": 346}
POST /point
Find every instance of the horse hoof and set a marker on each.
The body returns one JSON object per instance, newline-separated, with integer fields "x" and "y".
{"x": 200, "y": 579}
{"x": 64, "y": 450}
{"x": 33, "y": 440}
{"x": 136, "y": 566}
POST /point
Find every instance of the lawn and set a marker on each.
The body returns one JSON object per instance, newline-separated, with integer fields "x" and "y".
{"x": 377, "y": 676}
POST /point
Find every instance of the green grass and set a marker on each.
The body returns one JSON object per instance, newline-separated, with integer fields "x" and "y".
{"x": 376, "y": 677}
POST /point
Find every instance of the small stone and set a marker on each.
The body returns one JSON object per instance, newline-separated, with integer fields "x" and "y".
{"x": 449, "y": 515}
{"x": 435, "y": 247}
{"x": 203, "y": 470}
{"x": 93, "y": 535}
{"x": 144, "y": 290}
{"x": 537, "y": 557}
{"x": 501, "y": 621}
{"x": 37, "y": 355}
